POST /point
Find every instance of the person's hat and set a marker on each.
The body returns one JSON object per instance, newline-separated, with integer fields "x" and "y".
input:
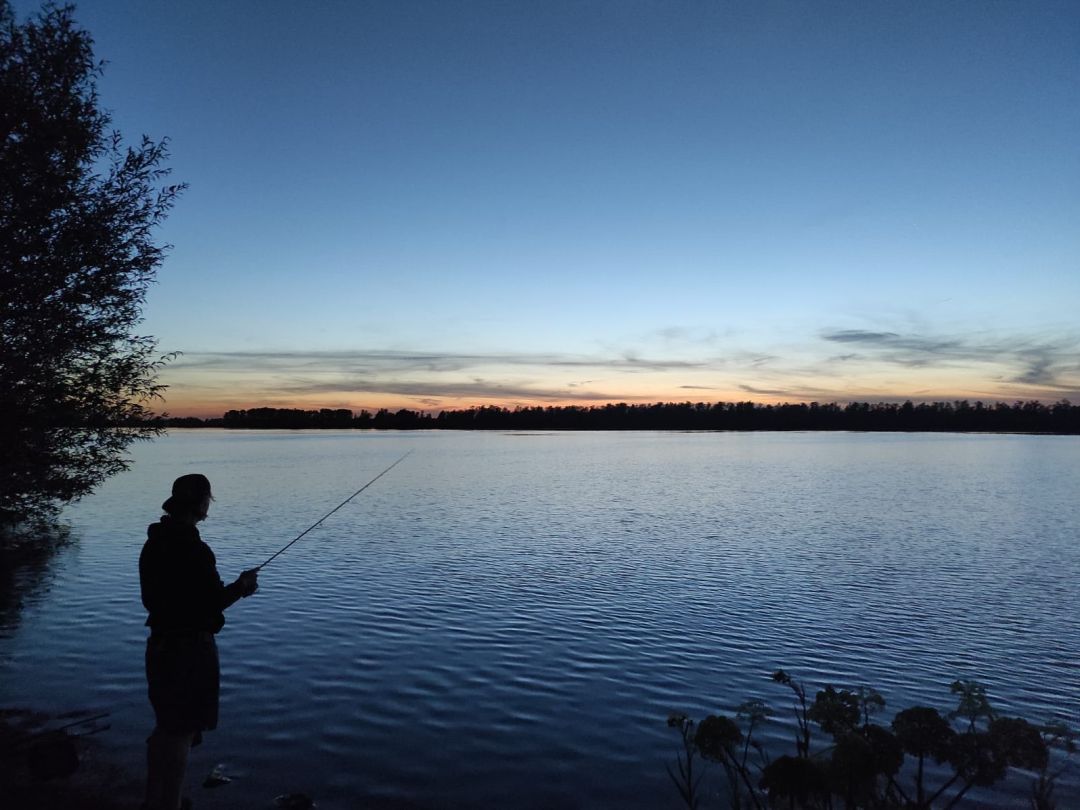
{"x": 187, "y": 492}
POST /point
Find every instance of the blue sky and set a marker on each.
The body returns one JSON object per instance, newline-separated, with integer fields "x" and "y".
{"x": 440, "y": 204}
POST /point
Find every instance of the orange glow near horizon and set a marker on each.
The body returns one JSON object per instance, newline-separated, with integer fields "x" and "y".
{"x": 179, "y": 406}
{"x": 210, "y": 386}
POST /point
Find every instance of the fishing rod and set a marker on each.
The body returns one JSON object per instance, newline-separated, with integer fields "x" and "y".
{"x": 328, "y": 514}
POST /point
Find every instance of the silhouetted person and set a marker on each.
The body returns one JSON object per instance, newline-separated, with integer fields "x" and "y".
{"x": 186, "y": 598}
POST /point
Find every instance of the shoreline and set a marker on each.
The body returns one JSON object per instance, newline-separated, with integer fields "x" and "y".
{"x": 36, "y": 772}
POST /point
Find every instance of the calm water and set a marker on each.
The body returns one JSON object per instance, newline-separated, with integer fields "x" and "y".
{"x": 506, "y": 620}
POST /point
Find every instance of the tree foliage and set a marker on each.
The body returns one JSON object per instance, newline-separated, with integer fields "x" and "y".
{"x": 1027, "y": 417}
{"x": 78, "y": 211}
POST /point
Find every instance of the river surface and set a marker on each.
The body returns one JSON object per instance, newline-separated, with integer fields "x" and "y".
{"x": 505, "y": 620}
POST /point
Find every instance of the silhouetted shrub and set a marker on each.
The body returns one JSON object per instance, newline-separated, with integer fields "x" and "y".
{"x": 862, "y": 764}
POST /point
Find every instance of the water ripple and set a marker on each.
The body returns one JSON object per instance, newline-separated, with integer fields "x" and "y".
{"x": 507, "y": 623}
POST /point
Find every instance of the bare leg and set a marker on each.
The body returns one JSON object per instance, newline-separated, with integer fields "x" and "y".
{"x": 166, "y": 762}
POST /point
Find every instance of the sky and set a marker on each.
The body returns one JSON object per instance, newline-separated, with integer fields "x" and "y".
{"x": 434, "y": 205}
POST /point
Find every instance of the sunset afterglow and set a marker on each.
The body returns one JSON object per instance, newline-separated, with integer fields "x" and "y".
{"x": 435, "y": 205}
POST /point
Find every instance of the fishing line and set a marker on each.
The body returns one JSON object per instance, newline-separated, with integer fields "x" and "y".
{"x": 328, "y": 514}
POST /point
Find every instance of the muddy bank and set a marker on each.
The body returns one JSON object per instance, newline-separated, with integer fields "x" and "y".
{"x": 49, "y": 762}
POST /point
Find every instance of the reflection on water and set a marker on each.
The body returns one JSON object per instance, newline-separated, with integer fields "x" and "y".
{"x": 508, "y": 621}
{"x": 26, "y": 571}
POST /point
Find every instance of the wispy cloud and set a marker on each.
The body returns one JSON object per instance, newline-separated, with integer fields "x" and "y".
{"x": 917, "y": 344}
{"x": 403, "y": 361}
{"x": 427, "y": 378}
{"x": 1043, "y": 368}
{"x": 430, "y": 391}
{"x": 1025, "y": 360}
{"x": 795, "y": 392}
{"x": 687, "y": 335}
{"x": 875, "y": 365}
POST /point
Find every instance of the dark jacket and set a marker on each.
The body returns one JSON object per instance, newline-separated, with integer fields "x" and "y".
{"x": 180, "y": 584}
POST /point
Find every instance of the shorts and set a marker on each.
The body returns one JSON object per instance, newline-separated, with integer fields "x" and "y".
{"x": 184, "y": 681}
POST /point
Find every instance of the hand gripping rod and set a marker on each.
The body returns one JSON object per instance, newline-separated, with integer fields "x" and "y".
{"x": 328, "y": 514}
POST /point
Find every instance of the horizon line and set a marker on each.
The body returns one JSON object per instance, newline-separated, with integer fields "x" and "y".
{"x": 517, "y": 406}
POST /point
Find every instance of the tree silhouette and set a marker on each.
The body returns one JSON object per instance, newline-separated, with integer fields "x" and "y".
{"x": 77, "y": 213}
{"x": 1021, "y": 417}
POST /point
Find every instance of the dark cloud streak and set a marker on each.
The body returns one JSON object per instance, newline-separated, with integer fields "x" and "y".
{"x": 1033, "y": 362}
{"x": 359, "y": 361}
{"x": 426, "y": 391}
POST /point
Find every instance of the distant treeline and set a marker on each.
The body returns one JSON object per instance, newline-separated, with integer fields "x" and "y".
{"x": 960, "y": 416}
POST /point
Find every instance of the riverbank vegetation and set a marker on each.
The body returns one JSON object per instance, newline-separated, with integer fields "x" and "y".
{"x": 923, "y": 759}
